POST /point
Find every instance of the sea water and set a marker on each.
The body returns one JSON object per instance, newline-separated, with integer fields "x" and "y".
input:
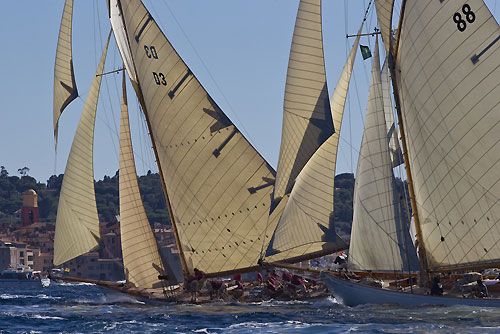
{"x": 83, "y": 308}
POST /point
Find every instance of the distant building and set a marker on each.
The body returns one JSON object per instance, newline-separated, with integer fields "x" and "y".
{"x": 90, "y": 266}
{"x": 14, "y": 254}
{"x": 43, "y": 261}
{"x": 111, "y": 240}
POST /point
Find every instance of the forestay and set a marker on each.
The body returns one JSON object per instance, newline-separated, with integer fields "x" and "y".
{"x": 449, "y": 88}
{"x": 306, "y": 228}
{"x": 307, "y": 119}
{"x": 65, "y": 89}
{"x": 218, "y": 185}
{"x": 141, "y": 260}
{"x": 378, "y": 235}
{"x": 77, "y": 224}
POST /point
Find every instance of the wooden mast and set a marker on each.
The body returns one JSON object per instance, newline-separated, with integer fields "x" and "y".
{"x": 393, "y": 57}
{"x": 138, "y": 90}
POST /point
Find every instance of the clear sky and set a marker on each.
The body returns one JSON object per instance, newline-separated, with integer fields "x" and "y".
{"x": 238, "y": 50}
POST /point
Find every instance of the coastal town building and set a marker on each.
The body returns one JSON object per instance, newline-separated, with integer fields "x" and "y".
{"x": 30, "y": 242}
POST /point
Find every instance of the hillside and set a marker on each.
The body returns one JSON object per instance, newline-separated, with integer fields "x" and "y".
{"x": 12, "y": 187}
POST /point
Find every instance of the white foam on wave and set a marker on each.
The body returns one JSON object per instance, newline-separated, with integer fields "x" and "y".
{"x": 257, "y": 327}
{"x": 117, "y": 323}
{"x": 74, "y": 284}
{"x": 40, "y": 296}
{"x": 44, "y": 317}
{"x": 31, "y": 316}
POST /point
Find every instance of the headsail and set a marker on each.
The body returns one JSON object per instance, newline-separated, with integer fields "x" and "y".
{"x": 121, "y": 39}
{"x": 141, "y": 259}
{"x": 77, "y": 224}
{"x": 218, "y": 185}
{"x": 306, "y": 227}
{"x": 379, "y": 239}
{"x": 65, "y": 89}
{"x": 384, "y": 17}
{"x": 449, "y": 87}
{"x": 392, "y": 131}
{"x": 307, "y": 118}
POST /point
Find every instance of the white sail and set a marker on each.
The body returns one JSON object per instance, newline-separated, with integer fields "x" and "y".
{"x": 306, "y": 226}
{"x": 65, "y": 89}
{"x": 307, "y": 119}
{"x": 77, "y": 224}
{"x": 392, "y": 131}
{"x": 384, "y": 17}
{"x": 449, "y": 82}
{"x": 141, "y": 259}
{"x": 375, "y": 242}
{"x": 218, "y": 186}
{"x": 120, "y": 34}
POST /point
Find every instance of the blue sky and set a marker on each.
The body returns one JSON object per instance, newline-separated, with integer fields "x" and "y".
{"x": 237, "y": 49}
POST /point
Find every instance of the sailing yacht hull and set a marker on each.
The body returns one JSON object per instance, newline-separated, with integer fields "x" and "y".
{"x": 352, "y": 294}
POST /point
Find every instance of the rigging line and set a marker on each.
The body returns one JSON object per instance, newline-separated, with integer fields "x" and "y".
{"x": 107, "y": 89}
{"x": 231, "y": 109}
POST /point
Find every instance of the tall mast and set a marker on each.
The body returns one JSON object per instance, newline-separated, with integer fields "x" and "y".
{"x": 185, "y": 270}
{"x": 392, "y": 57}
{"x": 138, "y": 90}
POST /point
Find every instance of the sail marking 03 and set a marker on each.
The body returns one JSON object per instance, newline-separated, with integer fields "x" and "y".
{"x": 141, "y": 259}
{"x": 65, "y": 89}
{"x": 452, "y": 120}
{"x": 208, "y": 166}
{"x": 77, "y": 223}
{"x": 307, "y": 118}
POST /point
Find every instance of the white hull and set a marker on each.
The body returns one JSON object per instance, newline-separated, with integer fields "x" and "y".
{"x": 352, "y": 294}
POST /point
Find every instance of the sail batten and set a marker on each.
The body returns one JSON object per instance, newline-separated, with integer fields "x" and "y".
{"x": 210, "y": 170}
{"x": 450, "y": 112}
{"x": 65, "y": 89}
{"x": 77, "y": 224}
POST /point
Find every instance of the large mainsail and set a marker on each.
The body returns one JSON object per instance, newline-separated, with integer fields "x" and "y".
{"x": 218, "y": 186}
{"x": 77, "y": 224}
{"x": 306, "y": 227}
{"x": 378, "y": 236}
{"x": 65, "y": 89}
{"x": 307, "y": 118}
{"x": 141, "y": 259}
{"x": 449, "y": 87}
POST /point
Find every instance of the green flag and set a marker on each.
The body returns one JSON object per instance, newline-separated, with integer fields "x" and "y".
{"x": 365, "y": 52}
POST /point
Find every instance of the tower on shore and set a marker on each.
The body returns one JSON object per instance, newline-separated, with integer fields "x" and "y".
{"x": 29, "y": 211}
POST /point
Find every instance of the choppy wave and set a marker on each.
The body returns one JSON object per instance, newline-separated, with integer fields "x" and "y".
{"x": 77, "y": 308}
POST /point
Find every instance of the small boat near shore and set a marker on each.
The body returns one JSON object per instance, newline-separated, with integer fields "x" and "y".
{"x": 20, "y": 274}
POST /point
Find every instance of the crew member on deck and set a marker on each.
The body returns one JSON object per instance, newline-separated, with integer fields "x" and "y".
{"x": 481, "y": 290}
{"x": 437, "y": 288}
